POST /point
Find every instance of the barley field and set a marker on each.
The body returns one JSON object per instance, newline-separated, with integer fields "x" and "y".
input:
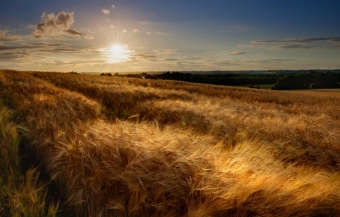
{"x": 87, "y": 145}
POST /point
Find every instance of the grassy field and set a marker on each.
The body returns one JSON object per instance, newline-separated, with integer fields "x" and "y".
{"x": 114, "y": 146}
{"x": 320, "y": 92}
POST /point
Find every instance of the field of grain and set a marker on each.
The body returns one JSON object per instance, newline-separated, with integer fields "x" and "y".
{"x": 320, "y": 92}
{"x": 114, "y": 146}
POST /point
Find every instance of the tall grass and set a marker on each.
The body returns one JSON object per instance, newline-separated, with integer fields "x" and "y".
{"x": 20, "y": 194}
{"x": 132, "y": 147}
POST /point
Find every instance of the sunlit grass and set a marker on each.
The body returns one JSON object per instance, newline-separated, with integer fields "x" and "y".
{"x": 20, "y": 194}
{"x": 133, "y": 147}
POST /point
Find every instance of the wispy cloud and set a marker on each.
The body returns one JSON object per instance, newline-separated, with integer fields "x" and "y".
{"x": 13, "y": 55}
{"x": 46, "y": 47}
{"x": 124, "y": 30}
{"x": 223, "y": 63}
{"x": 165, "y": 51}
{"x": 297, "y": 40}
{"x": 292, "y": 46}
{"x": 6, "y": 37}
{"x": 79, "y": 62}
{"x": 73, "y": 32}
{"x": 35, "y": 46}
{"x": 112, "y": 26}
{"x": 137, "y": 56}
{"x": 89, "y": 37}
{"x": 296, "y": 43}
{"x": 238, "y": 53}
{"x": 135, "y": 30}
{"x": 54, "y": 25}
{"x": 106, "y": 11}
{"x": 61, "y": 50}
{"x": 270, "y": 61}
{"x": 113, "y": 6}
{"x": 154, "y": 56}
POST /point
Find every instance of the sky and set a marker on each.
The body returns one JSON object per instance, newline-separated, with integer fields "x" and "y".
{"x": 164, "y": 35}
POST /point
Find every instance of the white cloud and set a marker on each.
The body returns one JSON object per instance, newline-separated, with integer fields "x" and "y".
{"x": 113, "y": 6}
{"x": 149, "y": 33}
{"x": 54, "y": 25}
{"x": 135, "y": 30}
{"x": 112, "y": 26}
{"x": 105, "y": 11}
{"x": 124, "y": 30}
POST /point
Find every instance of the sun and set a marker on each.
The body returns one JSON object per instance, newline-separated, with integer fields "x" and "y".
{"x": 118, "y": 53}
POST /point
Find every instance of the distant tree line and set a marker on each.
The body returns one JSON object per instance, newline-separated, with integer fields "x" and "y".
{"x": 223, "y": 79}
{"x": 106, "y": 74}
{"x": 308, "y": 81}
{"x": 278, "y": 81}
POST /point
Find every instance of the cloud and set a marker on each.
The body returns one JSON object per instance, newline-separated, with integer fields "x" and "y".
{"x": 73, "y": 32}
{"x": 14, "y": 55}
{"x": 20, "y": 47}
{"x": 113, "y": 6}
{"x": 124, "y": 30}
{"x": 269, "y": 61}
{"x": 105, "y": 11}
{"x": 32, "y": 46}
{"x": 145, "y": 56}
{"x": 135, "y": 30}
{"x": 5, "y": 37}
{"x": 89, "y": 37}
{"x": 297, "y": 40}
{"x": 165, "y": 51}
{"x": 148, "y": 33}
{"x": 78, "y": 62}
{"x": 238, "y": 53}
{"x": 54, "y": 25}
{"x": 61, "y": 50}
{"x": 112, "y": 26}
{"x": 154, "y": 56}
{"x": 225, "y": 63}
{"x": 292, "y": 46}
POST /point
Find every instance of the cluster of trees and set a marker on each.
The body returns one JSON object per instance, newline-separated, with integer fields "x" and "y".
{"x": 308, "y": 81}
{"x": 106, "y": 74}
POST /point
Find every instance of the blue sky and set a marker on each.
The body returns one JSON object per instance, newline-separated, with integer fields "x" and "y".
{"x": 151, "y": 35}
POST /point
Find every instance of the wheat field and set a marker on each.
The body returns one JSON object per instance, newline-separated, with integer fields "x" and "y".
{"x": 115, "y": 146}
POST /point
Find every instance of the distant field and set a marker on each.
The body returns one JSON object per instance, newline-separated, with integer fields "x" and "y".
{"x": 319, "y": 92}
{"x": 117, "y": 146}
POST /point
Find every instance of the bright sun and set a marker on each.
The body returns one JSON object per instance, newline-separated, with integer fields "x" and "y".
{"x": 118, "y": 53}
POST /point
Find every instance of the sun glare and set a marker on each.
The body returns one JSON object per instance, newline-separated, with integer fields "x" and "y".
{"x": 118, "y": 53}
